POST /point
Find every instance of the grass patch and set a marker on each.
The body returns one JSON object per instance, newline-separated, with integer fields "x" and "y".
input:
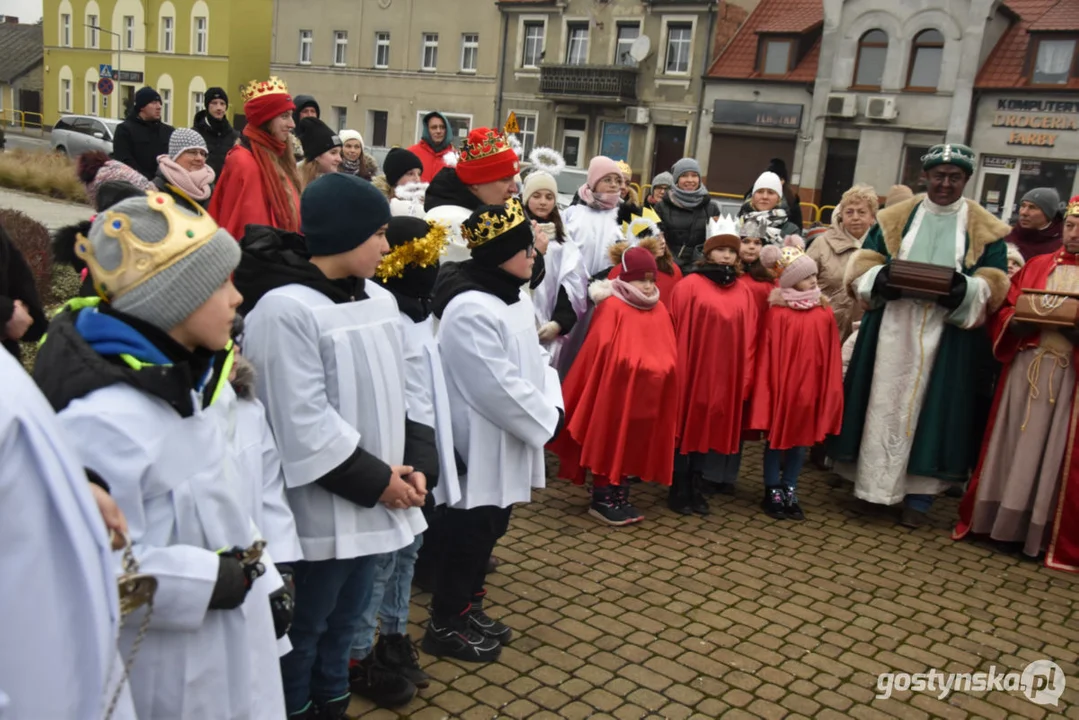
{"x": 42, "y": 173}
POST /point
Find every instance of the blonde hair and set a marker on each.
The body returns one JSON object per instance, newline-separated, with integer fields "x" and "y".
{"x": 861, "y": 194}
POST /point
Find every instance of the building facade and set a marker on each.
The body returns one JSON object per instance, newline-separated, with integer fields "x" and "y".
{"x": 179, "y": 47}
{"x": 21, "y": 71}
{"x": 620, "y": 78}
{"x": 378, "y": 66}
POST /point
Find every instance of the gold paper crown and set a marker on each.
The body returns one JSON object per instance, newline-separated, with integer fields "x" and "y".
{"x": 490, "y": 142}
{"x": 624, "y": 168}
{"x": 491, "y": 225}
{"x": 420, "y": 252}
{"x": 258, "y": 88}
{"x": 787, "y": 255}
{"x": 1073, "y": 207}
{"x": 140, "y": 260}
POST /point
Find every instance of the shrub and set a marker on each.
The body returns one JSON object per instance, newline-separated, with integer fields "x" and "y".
{"x": 42, "y": 173}
{"x": 33, "y": 241}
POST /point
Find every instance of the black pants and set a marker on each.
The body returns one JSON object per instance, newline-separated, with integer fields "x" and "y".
{"x": 467, "y": 539}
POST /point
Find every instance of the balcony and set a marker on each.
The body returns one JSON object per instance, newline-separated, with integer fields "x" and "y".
{"x": 603, "y": 84}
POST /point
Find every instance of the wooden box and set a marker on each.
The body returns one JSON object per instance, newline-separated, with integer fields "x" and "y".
{"x": 920, "y": 280}
{"x": 1047, "y": 308}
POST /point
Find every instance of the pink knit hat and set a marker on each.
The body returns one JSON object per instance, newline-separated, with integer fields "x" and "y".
{"x": 600, "y": 167}
{"x": 790, "y": 263}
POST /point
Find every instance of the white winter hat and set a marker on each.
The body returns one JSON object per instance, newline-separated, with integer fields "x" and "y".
{"x": 769, "y": 181}
{"x": 347, "y": 135}
{"x": 536, "y": 181}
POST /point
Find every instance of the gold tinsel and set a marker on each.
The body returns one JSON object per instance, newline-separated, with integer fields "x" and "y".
{"x": 420, "y": 252}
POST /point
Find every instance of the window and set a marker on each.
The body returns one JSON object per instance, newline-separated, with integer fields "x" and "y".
{"x": 166, "y": 105}
{"x": 340, "y": 47}
{"x": 527, "y": 124}
{"x": 679, "y": 37}
{"x": 573, "y": 135}
{"x": 166, "y": 35}
{"x": 342, "y": 117}
{"x": 576, "y": 43}
{"x": 430, "y": 52}
{"x": 382, "y": 50}
{"x": 129, "y": 32}
{"x": 198, "y": 102}
{"x": 201, "y": 42}
{"x": 470, "y": 51}
{"x": 377, "y": 123}
{"x": 65, "y": 30}
{"x": 1053, "y": 61}
{"x": 91, "y": 31}
{"x": 533, "y": 44}
{"x": 872, "y": 53}
{"x": 776, "y": 54}
{"x": 65, "y": 95}
{"x": 627, "y": 33}
{"x": 306, "y": 41}
{"x": 925, "y": 60}
{"x": 91, "y": 97}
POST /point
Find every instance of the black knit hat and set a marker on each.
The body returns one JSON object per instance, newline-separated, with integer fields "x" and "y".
{"x": 398, "y": 162}
{"x": 316, "y": 138}
{"x": 215, "y": 93}
{"x": 406, "y": 228}
{"x": 144, "y": 97}
{"x": 327, "y": 230}
{"x": 495, "y": 233}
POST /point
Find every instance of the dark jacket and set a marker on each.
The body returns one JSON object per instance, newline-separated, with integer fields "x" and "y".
{"x": 17, "y": 283}
{"x": 447, "y": 189}
{"x": 685, "y": 229}
{"x": 219, "y": 135}
{"x": 138, "y": 142}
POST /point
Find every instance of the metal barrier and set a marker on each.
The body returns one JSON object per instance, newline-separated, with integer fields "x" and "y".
{"x": 826, "y": 208}
{"x": 22, "y": 119}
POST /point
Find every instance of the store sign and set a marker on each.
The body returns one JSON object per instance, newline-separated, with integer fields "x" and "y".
{"x": 615, "y": 141}
{"x": 127, "y": 76}
{"x": 769, "y": 115}
{"x": 1036, "y": 122}
{"x": 998, "y": 163}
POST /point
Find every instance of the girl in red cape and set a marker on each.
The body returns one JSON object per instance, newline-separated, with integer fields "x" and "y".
{"x": 1025, "y": 488}
{"x": 716, "y": 319}
{"x": 644, "y": 231}
{"x": 620, "y": 393}
{"x": 798, "y": 391}
{"x": 259, "y": 183}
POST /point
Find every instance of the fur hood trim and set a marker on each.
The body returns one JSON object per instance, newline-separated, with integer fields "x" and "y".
{"x": 243, "y": 377}
{"x": 860, "y": 262}
{"x": 383, "y": 186}
{"x": 776, "y": 299}
{"x": 599, "y": 290}
{"x": 982, "y": 227}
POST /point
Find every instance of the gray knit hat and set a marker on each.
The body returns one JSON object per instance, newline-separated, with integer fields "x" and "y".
{"x": 1047, "y": 199}
{"x": 684, "y": 166}
{"x": 185, "y": 139}
{"x": 156, "y": 261}
{"x": 663, "y": 179}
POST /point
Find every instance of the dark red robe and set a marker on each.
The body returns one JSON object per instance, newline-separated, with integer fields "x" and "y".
{"x": 239, "y": 199}
{"x": 620, "y": 397}
{"x": 715, "y": 326}
{"x": 798, "y": 391}
{"x": 1063, "y": 552}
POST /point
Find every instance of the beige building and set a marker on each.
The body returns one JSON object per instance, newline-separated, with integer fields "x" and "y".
{"x": 377, "y": 66}
{"x": 580, "y": 78}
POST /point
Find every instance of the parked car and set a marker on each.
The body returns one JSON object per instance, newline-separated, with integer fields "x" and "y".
{"x": 75, "y": 134}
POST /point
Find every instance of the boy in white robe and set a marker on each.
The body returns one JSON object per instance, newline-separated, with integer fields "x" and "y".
{"x": 328, "y": 349}
{"x": 506, "y": 404}
{"x": 140, "y": 381}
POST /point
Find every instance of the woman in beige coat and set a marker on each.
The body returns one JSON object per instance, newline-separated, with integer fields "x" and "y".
{"x": 851, "y": 220}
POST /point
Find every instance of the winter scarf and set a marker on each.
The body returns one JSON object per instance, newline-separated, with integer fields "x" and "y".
{"x": 632, "y": 295}
{"x": 722, "y": 275}
{"x": 599, "y": 201}
{"x": 352, "y": 167}
{"x": 275, "y": 182}
{"x": 1038, "y": 242}
{"x": 799, "y": 299}
{"x": 198, "y": 184}
{"x": 772, "y": 221}
{"x": 688, "y": 199}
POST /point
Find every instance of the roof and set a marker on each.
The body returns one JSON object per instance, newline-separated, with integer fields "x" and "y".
{"x": 792, "y": 17}
{"x": 21, "y": 48}
{"x": 1007, "y": 64}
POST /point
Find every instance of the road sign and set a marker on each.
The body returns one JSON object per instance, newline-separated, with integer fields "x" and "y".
{"x": 105, "y": 86}
{"x": 511, "y": 124}
{"x": 104, "y": 70}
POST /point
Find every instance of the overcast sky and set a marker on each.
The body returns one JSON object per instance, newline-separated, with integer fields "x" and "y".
{"x": 28, "y": 11}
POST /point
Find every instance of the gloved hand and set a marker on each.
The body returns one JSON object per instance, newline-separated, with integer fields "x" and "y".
{"x": 281, "y": 602}
{"x": 231, "y": 587}
{"x": 548, "y": 331}
{"x": 955, "y": 296}
{"x": 880, "y": 285}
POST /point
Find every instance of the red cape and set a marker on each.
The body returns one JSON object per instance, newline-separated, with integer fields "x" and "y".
{"x": 620, "y": 397}
{"x": 238, "y": 199}
{"x": 1063, "y": 552}
{"x": 714, "y": 326}
{"x": 432, "y": 161}
{"x": 664, "y": 281}
{"x": 798, "y": 392}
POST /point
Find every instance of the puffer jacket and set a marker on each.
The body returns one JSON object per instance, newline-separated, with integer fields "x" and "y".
{"x": 685, "y": 229}
{"x": 832, "y": 251}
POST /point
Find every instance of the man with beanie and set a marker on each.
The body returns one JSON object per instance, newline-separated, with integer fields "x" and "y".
{"x": 660, "y": 185}
{"x": 215, "y": 128}
{"x": 139, "y": 378}
{"x": 142, "y": 137}
{"x": 306, "y": 107}
{"x": 326, "y": 343}
{"x": 1040, "y": 229}
{"x": 435, "y": 144}
{"x": 506, "y": 404}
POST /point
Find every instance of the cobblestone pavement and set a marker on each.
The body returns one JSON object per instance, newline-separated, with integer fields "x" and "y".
{"x": 739, "y": 616}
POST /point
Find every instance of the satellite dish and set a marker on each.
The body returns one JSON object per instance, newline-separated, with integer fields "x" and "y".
{"x": 640, "y": 48}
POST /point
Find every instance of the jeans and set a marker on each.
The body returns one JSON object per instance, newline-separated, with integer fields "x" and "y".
{"x": 390, "y": 594}
{"x": 919, "y": 503}
{"x": 330, "y": 598}
{"x": 781, "y": 467}
{"x": 461, "y": 572}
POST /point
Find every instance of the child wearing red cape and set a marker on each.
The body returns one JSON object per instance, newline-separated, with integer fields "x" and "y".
{"x": 798, "y": 391}
{"x": 620, "y": 393}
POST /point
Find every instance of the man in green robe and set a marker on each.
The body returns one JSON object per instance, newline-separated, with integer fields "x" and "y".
{"x": 910, "y": 422}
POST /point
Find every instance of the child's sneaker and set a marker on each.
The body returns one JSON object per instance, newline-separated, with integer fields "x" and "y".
{"x": 605, "y": 509}
{"x": 482, "y": 623}
{"x": 790, "y": 504}
{"x": 620, "y": 497}
{"x": 458, "y": 639}
{"x": 773, "y": 504}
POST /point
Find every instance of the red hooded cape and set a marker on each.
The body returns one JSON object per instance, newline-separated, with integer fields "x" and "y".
{"x": 798, "y": 392}
{"x": 239, "y": 199}
{"x": 1063, "y": 552}
{"x": 714, "y": 326}
{"x": 620, "y": 397}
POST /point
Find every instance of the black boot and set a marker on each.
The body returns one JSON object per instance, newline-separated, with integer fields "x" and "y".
{"x": 381, "y": 685}
{"x": 396, "y": 652}
{"x": 455, "y": 637}
{"x": 622, "y": 494}
{"x": 310, "y": 712}
{"x": 697, "y": 502}
{"x": 678, "y": 496}
{"x": 334, "y": 709}
{"x": 605, "y": 507}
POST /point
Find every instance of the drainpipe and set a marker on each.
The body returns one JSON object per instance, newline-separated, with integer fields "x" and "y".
{"x": 501, "y": 69}
{"x": 700, "y": 93}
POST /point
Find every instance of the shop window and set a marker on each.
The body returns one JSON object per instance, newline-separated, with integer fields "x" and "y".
{"x": 911, "y": 173}
{"x": 1054, "y": 60}
{"x": 1043, "y": 173}
{"x": 872, "y": 54}
{"x": 776, "y": 56}
{"x": 925, "y": 60}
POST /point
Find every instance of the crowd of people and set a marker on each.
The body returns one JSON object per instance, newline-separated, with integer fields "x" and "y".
{"x": 292, "y": 386}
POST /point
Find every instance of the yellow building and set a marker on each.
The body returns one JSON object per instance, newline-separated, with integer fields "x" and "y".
{"x": 179, "y": 47}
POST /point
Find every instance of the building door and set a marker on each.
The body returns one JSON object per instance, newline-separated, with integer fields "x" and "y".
{"x": 127, "y": 92}
{"x": 378, "y": 121}
{"x": 736, "y": 161}
{"x": 669, "y": 148}
{"x": 574, "y": 132}
{"x": 30, "y": 101}
{"x": 838, "y": 173}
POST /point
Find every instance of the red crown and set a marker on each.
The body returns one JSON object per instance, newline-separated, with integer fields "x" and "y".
{"x": 486, "y": 156}
{"x": 483, "y": 142}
